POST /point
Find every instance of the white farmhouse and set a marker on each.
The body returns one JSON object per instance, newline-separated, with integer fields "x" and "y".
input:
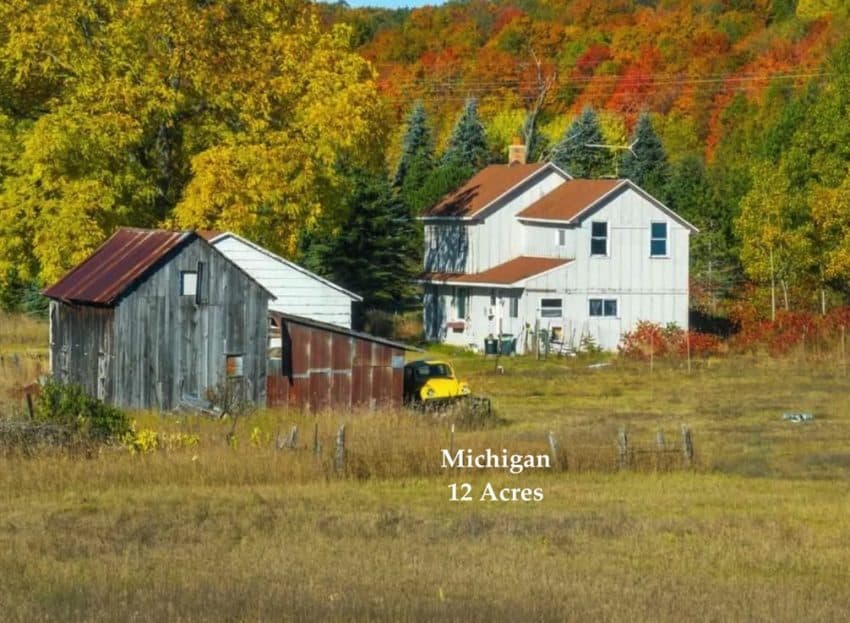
{"x": 521, "y": 245}
{"x": 299, "y": 292}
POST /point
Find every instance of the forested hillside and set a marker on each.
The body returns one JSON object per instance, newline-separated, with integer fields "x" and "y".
{"x": 302, "y": 126}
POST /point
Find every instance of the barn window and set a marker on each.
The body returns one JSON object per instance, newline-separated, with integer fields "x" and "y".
{"x": 551, "y": 308}
{"x": 599, "y": 238}
{"x": 658, "y": 240}
{"x": 603, "y": 307}
{"x": 188, "y": 283}
{"x": 234, "y": 366}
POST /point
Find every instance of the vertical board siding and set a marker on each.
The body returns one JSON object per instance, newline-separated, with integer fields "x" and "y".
{"x": 159, "y": 346}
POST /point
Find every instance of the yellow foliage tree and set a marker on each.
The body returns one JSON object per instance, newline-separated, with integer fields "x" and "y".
{"x": 176, "y": 112}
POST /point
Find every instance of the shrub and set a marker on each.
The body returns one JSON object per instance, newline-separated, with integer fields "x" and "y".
{"x": 70, "y": 407}
{"x": 649, "y": 339}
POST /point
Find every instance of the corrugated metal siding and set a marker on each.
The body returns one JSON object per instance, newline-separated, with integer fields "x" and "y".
{"x": 332, "y": 370}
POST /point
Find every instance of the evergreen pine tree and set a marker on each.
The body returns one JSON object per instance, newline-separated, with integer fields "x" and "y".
{"x": 468, "y": 142}
{"x": 417, "y": 152}
{"x": 646, "y": 163}
{"x": 572, "y": 153}
{"x": 376, "y": 250}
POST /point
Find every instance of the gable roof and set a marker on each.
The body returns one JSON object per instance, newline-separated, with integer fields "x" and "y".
{"x": 508, "y": 273}
{"x": 333, "y": 328}
{"x": 575, "y": 198}
{"x": 128, "y": 256}
{"x": 118, "y": 263}
{"x": 484, "y": 188}
{"x": 214, "y": 237}
{"x": 569, "y": 199}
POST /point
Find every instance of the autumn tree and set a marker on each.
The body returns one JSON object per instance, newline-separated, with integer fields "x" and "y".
{"x": 579, "y": 152}
{"x": 189, "y": 114}
{"x": 775, "y": 234}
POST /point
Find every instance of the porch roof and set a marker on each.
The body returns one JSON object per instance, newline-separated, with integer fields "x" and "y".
{"x": 510, "y": 273}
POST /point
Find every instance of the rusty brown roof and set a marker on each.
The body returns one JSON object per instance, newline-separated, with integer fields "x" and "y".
{"x": 510, "y": 272}
{"x": 116, "y": 265}
{"x": 482, "y": 189}
{"x": 208, "y": 234}
{"x": 566, "y": 201}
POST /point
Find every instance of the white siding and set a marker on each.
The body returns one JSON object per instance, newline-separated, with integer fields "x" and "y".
{"x": 297, "y": 292}
{"x": 645, "y": 287}
{"x": 500, "y": 237}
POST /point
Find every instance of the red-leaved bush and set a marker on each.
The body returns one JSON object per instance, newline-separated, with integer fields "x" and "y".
{"x": 652, "y": 340}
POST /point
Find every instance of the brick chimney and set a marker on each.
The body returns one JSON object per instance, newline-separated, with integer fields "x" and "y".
{"x": 516, "y": 152}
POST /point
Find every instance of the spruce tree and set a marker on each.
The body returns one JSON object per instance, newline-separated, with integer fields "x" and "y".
{"x": 468, "y": 142}
{"x": 573, "y": 153}
{"x": 646, "y": 163}
{"x": 417, "y": 152}
{"x": 376, "y": 250}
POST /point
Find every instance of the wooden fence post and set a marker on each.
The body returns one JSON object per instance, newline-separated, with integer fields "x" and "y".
{"x": 30, "y": 409}
{"x": 452, "y": 440}
{"x": 623, "y": 448}
{"x": 339, "y": 451}
{"x": 555, "y": 451}
{"x": 317, "y": 445}
{"x": 687, "y": 445}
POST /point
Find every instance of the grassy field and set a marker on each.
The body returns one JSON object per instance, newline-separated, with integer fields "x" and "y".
{"x": 755, "y": 529}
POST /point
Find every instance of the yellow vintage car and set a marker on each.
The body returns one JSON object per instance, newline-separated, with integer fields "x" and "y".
{"x": 430, "y": 382}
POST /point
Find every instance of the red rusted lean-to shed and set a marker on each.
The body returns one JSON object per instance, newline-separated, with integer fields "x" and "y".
{"x": 322, "y": 366}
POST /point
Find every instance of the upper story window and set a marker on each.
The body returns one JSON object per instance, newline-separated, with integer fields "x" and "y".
{"x": 658, "y": 240}
{"x": 599, "y": 238}
{"x": 188, "y": 283}
{"x": 561, "y": 238}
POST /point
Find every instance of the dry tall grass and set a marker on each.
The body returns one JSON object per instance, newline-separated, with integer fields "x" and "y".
{"x": 246, "y": 532}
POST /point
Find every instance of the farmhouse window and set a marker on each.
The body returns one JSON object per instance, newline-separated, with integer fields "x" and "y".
{"x": 551, "y": 308}
{"x": 603, "y": 307}
{"x": 492, "y": 296}
{"x": 658, "y": 241}
{"x": 599, "y": 238}
{"x": 234, "y": 366}
{"x": 188, "y": 283}
{"x": 514, "y": 307}
{"x": 562, "y": 237}
{"x": 460, "y": 302}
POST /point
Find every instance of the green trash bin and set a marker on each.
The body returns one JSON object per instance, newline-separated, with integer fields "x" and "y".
{"x": 491, "y": 346}
{"x": 507, "y": 343}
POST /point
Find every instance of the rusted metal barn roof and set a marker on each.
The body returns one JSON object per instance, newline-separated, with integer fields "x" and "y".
{"x": 118, "y": 263}
{"x": 316, "y": 324}
{"x": 508, "y": 273}
{"x": 483, "y": 189}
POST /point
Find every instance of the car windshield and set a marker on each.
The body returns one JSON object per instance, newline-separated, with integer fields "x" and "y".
{"x": 432, "y": 370}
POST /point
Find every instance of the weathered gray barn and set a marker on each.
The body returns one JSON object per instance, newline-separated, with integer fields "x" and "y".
{"x": 319, "y": 366}
{"x": 154, "y": 318}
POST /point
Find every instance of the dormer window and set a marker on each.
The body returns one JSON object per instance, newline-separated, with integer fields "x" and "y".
{"x": 599, "y": 238}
